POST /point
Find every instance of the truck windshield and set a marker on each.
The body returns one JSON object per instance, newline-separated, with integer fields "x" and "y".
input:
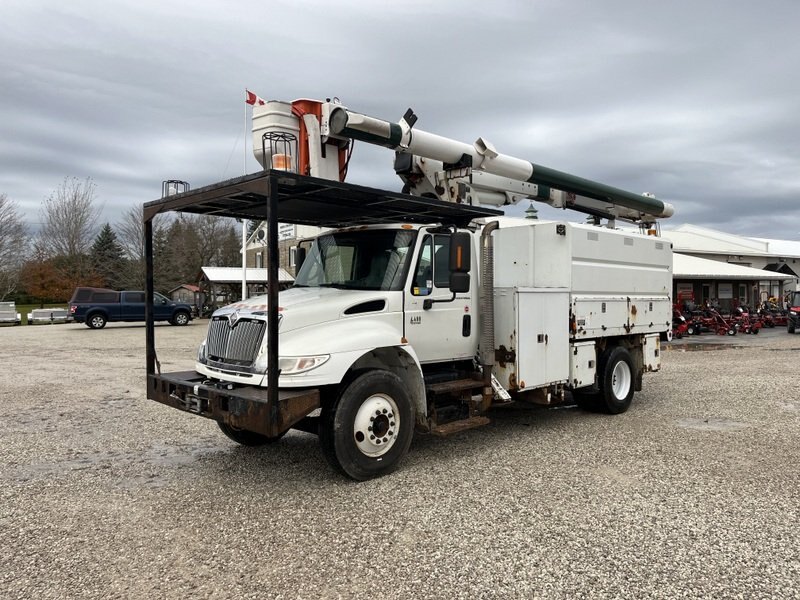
{"x": 358, "y": 260}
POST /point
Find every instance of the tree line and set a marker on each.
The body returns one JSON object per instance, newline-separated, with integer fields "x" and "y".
{"x": 72, "y": 248}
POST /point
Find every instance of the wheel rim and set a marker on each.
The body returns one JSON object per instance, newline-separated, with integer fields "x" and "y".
{"x": 181, "y": 319}
{"x": 621, "y": 380}
{"x": 97, "y": 321}
{"x": 376, "y": 425}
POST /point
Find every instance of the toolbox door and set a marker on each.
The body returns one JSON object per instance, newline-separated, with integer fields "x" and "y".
{"x": 543, "y": 330}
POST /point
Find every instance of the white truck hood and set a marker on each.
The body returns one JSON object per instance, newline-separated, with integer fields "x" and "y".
{"x": 305, "y": 306}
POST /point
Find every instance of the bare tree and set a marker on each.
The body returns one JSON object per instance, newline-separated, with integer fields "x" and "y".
{"x": 181, "y": 246}
{"x": 69, "y": 218}
{"x": 13, "y": 246}
{"x": 130, "y": 236}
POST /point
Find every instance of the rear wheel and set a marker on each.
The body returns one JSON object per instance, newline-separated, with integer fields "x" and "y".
{"x": 790, "y": 326}
{"x": 246, "y": 437}
{"x": 180, "y": 318}
{"x": 617, "y": 381}
{"x": 96, "y": 321}
{"x": 367, "y": 430}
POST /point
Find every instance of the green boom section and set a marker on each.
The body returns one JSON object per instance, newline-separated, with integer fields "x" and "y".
{"x": 593, "y": 189}
{"x": 395, "y": 135}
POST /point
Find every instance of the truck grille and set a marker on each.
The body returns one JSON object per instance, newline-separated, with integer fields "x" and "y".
{"x": 237, "y": 345}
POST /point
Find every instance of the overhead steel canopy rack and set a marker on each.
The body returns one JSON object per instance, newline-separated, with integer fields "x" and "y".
{"x": 306, "y": 200}
{"x": 279, "y": 196}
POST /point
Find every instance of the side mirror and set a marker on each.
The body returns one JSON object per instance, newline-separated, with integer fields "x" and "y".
{"x": 163, "y": 301}
{"x": 460, "y": 252}
{"x": 299, "y": 258}
{"x": 460, "y": 262}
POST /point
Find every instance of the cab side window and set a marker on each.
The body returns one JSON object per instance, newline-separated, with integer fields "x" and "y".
{"x": 423, "y": 276}
{"x": 433, "y": 268}
{"x": 441, "y": 261}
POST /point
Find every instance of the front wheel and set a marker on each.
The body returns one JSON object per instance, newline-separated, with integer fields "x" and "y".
{"x": 367, "y": 430}
{"x": 245, "y": 437}
{"x": 790, "y": 326}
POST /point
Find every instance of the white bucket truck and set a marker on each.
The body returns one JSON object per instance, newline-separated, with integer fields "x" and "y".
{"x": 419, "y": 311}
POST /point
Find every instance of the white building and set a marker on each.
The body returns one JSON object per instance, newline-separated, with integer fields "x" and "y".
{"x": 749, "y": 270}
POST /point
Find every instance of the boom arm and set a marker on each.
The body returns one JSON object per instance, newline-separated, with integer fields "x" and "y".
{"x": 433, "y": 165}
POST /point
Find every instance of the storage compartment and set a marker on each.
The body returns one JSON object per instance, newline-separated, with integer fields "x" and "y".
{"x": 651, "y": 353}
{"x": 532, "y": 333}
{"x": 582, "y": 364}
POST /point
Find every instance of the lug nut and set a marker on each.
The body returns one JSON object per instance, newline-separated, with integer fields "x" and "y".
{"x": 372, "y": 437}
{"x": 369, "y": 428}
{"x": 385, "y": 440}
{"x": 378, "y": 412}
{"x": 385, "y": 411}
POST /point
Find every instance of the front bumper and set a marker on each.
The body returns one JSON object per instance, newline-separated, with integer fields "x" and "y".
{"x": 244, "y": 407}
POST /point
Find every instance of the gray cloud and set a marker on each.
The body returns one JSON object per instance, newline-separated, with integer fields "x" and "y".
{"x": 694, "y": 102}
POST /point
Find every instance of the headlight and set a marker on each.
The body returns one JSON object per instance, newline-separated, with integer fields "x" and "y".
{"x": 292, "y": 365}
{"x": 260, "y": 364}
{"x": 201, "y": 353}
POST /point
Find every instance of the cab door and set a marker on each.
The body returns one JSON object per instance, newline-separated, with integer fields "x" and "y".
{"x": 438, "y": 326}
{"x": 132, "y": 306}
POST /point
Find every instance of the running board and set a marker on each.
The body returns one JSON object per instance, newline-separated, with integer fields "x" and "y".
{"x": 458, "y": 426}
{"x": 454, "y": 386}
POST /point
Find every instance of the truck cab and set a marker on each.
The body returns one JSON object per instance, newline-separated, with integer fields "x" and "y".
{"x": 358, "y": 290}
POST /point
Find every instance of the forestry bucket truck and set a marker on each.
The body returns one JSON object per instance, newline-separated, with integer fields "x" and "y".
{"x": 418, "y": 310}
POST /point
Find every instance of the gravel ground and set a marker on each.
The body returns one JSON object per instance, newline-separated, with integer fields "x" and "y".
{"x": 692, "y": 493}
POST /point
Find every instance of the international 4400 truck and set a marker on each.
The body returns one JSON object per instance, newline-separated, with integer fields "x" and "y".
{"x": 420, "y": 310}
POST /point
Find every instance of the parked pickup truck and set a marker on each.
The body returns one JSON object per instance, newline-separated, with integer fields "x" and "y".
{"x": 98, "y": 306}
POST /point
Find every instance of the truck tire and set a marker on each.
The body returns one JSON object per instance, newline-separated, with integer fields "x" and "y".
{"x": 246, "y": 437}
{"x": 96, "y": 320}
{"x": 790, "y": 326}
{"x": 617, "y": 381}
{"x": 367, "y": 430}
{"x": 181, "y": 317}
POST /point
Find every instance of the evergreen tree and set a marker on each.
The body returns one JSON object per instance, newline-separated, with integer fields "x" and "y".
{"x": 107, "y": 258}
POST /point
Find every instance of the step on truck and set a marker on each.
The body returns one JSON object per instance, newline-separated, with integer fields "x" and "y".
{"x": 420, "y": 310}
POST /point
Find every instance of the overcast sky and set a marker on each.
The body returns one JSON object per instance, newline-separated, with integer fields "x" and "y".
{"x": 696, "y": 102}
